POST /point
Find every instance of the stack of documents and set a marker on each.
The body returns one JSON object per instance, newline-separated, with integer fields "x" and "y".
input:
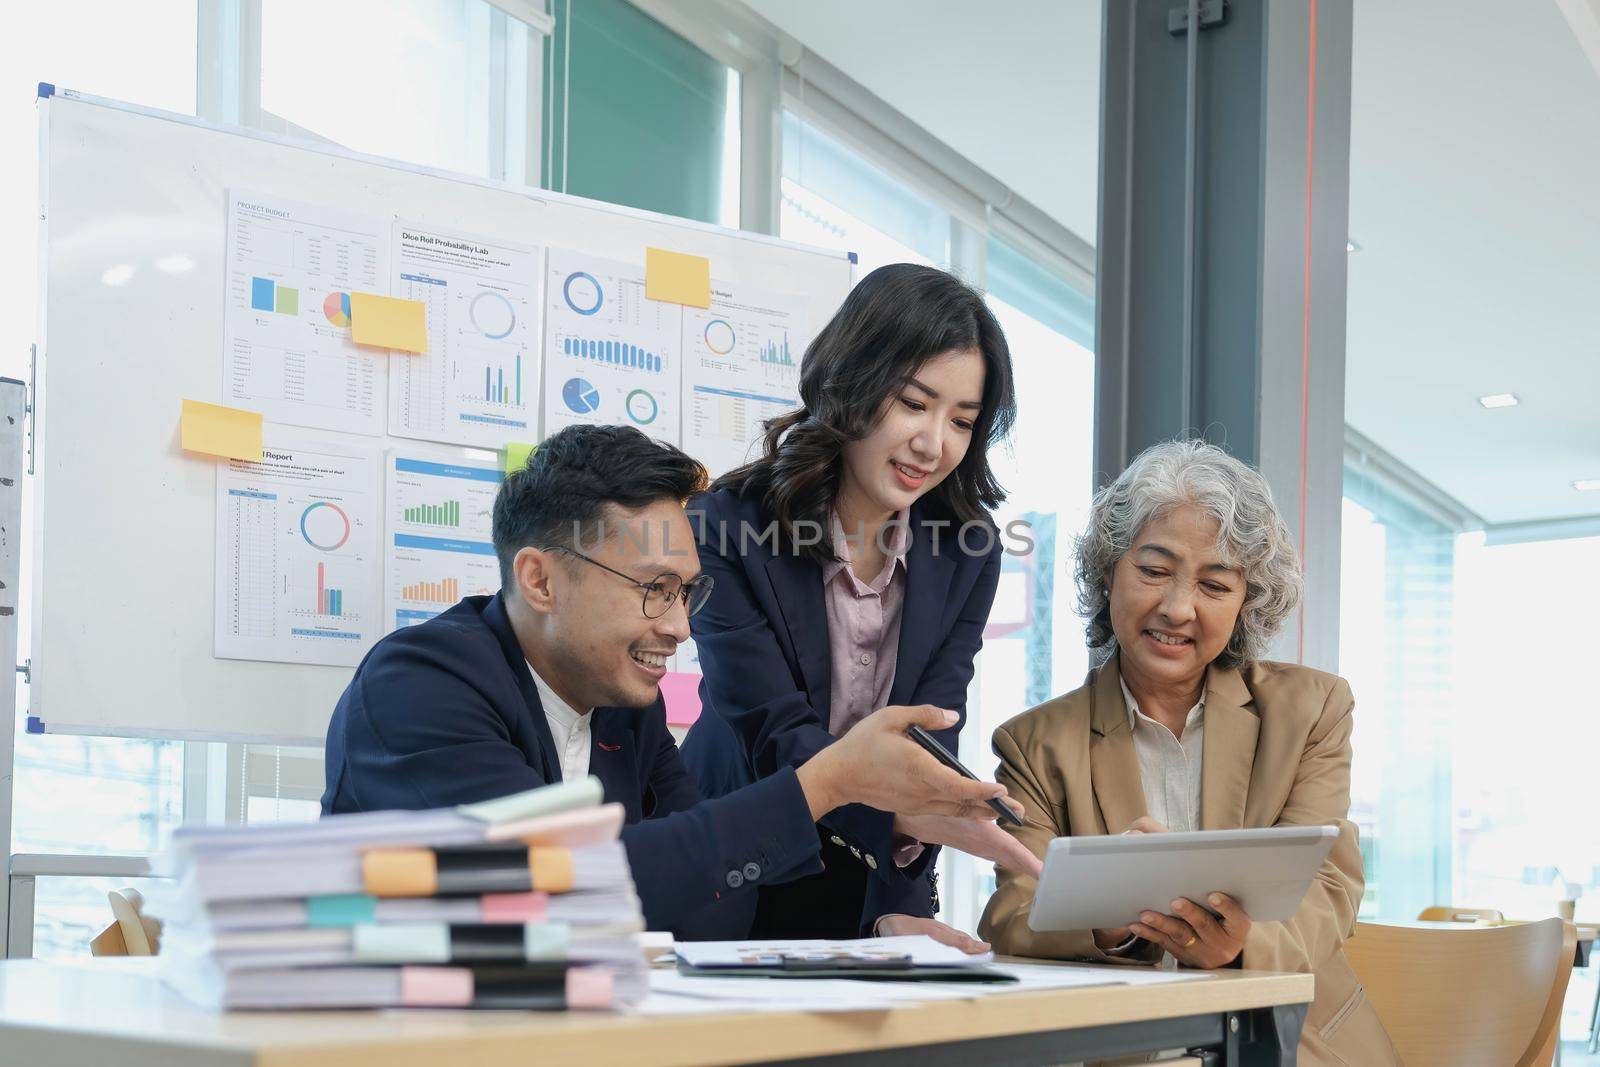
{"x": 523, "y": 902}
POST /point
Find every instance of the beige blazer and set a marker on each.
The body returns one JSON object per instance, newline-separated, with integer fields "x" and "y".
{"x": 1276, "y": 752}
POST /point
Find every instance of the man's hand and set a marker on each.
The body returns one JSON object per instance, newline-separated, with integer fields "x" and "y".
{"x": 982, "y": 839}
{"x": 897, "y": 925}
{"x": 878, "y": 765}
{"x": 1194, "y": 936}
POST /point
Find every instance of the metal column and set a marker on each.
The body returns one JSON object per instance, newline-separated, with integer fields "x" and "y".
{"x": 1224, "y": 200}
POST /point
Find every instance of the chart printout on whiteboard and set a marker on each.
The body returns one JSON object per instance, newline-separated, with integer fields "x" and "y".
{"x": 741, "y": 366}
{"x": 611, "y": 354}
{"x": 439, "y": 544}
{"x": 288, "y": 352}
{"x": 297, "y": 552}
{"x": 478, "y": 383}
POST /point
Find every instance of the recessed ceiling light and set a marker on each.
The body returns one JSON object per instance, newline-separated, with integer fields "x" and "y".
{"x": 1351, "y": 246}
{"x": 1499, "y": 400}
{"x": 1586, "y": 485}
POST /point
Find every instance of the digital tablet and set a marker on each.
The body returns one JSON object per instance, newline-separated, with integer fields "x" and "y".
{"x": 1093, "y": 883}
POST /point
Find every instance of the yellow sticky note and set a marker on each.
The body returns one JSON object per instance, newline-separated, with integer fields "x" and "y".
{"x": 677, "y": 278}
{"x": 219, "y": 431}
{"x": 388, "y": 322}
{"x": 517, "y": 455}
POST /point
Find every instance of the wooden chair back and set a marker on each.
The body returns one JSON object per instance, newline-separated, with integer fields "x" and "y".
{"x": 1467, "y": 996}
{"x": 1449, "y": 913}
{"x": 132, "y": 932}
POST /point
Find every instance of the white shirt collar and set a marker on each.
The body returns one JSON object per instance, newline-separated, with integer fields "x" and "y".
{"x": 555, "y": 708}
{"x": 1196, "y": 713}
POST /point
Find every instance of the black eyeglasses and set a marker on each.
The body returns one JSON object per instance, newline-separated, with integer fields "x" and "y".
{"x": 662, "y": 591}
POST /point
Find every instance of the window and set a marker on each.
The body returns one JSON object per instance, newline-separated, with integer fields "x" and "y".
{"x": 637, "y": 115}
{"x": 829, "y": 193}
{"x": 1034, "y": 644}
{"x": 80, "y": 794}
{"x": 444, "y": 84}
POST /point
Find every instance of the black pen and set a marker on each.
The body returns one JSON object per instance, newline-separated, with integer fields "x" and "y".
{"x": 942, "y": 754}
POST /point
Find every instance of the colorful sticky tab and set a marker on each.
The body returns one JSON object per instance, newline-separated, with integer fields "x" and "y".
{"x": 388, "y": 322}
{"x": 341, "y": 909}
{"x": 219, "y": 431}
{"x": 677, "y": 278}
{"x": 517, "y": 455}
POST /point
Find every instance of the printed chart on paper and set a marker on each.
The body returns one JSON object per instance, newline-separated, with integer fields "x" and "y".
{"x": 297, "y": 554}
{"x": 478, "y": 382}
{"x": 741, "y": 368}
{"x": 287, "y": 352}
{"x": 440, "y": 546}
{"x": 611, "y": 355}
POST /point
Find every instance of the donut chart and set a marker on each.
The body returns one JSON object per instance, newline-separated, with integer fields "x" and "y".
{"x": 582, "y": 292}
{"x": 641, "y": 407}
{"x": 720, "y": 337}
{"x": 325, "y": 526}
{"x": 492, "y": 314}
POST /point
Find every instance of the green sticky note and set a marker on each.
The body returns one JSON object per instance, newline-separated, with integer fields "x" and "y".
{"x": 341, "y": 909}
{"x": 517, "y": 455}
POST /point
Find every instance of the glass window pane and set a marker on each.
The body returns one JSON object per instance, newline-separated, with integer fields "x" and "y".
{"x": 639, "y": 116}
{"x": 833, "y": 198}
{"x": 415, "y": 80}
{"x": 1034, "y": 642}
{"x": 69, "y": 912}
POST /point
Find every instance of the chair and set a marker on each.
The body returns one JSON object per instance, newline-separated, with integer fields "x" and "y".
{"x": 131, "y": 933}
{"x": 1449, "y": 913}
{"x": 1467, "y": 996}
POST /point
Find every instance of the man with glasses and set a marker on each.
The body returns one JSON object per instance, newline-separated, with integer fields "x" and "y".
{"x": 558, "y": 676}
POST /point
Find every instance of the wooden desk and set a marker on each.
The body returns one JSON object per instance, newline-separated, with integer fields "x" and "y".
{"x": 99, "y": 1012}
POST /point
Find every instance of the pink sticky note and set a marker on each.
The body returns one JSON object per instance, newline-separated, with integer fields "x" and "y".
{"x": 682, "y": 693}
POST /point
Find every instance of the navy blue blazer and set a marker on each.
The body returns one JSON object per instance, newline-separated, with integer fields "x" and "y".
{"x": 447, "y": 713}
{"x": 766, "y": 691}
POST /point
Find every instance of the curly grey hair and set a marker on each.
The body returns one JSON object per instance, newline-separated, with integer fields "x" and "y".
{"x": 1251, "y": 536}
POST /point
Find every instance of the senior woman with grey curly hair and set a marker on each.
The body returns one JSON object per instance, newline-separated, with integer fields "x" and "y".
{"x": 1186, "y": 572}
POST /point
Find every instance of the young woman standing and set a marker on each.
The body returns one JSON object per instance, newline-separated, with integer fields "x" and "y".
{"x": 855, "y": 563}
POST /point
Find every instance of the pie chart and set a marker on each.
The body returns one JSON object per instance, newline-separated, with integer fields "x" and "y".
{"x": 337, "y": 309}
{"x": 580, "y": 396}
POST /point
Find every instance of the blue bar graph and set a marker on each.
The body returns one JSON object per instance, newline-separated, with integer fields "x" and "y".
{"x": 261, "y": 293}
{"x": 615, "y": 353}
{"x": 776, "y": 352}
{"x": 494, "y": 384}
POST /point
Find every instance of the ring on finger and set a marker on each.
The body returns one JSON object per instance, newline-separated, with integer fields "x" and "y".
{"x": 1192, "y": 939}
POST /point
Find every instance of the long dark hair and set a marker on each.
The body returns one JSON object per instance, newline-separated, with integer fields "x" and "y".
{"x": 894, "y": 320}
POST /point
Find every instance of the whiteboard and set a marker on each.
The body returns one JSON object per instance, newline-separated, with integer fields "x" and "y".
{"x": 132, "y": 244}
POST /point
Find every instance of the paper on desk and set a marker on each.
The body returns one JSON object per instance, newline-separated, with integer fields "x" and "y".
{"x": 1032, "y": 976}
{"x": 923, "y": 950}
{"x": 768, "y": 994}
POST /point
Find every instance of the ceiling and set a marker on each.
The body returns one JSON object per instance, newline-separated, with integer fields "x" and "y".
{"x": 1475, "y": 167}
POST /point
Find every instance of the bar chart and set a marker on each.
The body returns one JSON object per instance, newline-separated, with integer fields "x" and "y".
{"x": 500, "y": 387}
{"x": 445, "y": 514}
{"x": 613, "y": 353}
{"x": 330, "y": 601}
{"x": 267, "y": 295}
{"x": 447, "y": 591}
{"x": 776, "y": 352}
